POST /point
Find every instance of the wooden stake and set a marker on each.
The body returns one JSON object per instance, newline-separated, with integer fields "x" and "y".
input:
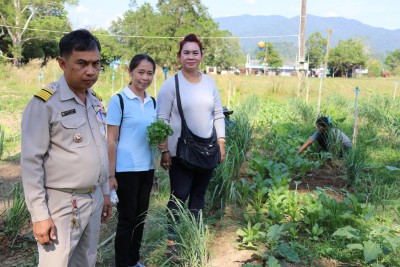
{"x": 355, "y": 132}
{"x": 319, "y": 95}
{"x": 229, "y": 94}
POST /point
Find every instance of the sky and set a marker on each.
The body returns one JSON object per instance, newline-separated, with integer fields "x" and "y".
{"x": 377, "y": 13}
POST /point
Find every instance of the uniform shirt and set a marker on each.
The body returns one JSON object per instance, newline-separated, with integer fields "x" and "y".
{"x": 133, "y": 150}
{"x": 201, "y": 106}
{"x": 52, "y": 154}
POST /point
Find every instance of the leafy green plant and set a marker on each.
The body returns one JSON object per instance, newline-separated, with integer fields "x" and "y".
{"x": 158, "y": 131}
{"x": 244, "y": 190}
{"x": 313, "y": 210}
{"x": 17, "y": 215}
{"x": 304, "y": 111}
{"x": 315, "y": 231}
{"x": 379, "y": 244}
{"x": 192, "y": 236}
{"x": 355, "y": 164}
{"x": 292, "y": 206}
{"x": 277, "y": 245}
{"x": 251, "y": 234}
{"x": 222, "y": 189}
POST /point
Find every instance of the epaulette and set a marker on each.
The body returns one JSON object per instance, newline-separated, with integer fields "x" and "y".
{"x": 97, "y": 96}
{"x": 45, "y": 94}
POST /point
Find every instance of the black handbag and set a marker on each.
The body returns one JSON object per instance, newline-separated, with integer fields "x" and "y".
{"x": 192, "y": 151}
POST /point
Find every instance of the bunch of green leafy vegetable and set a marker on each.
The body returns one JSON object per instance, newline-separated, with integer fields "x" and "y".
{"x": 158, "y": 131}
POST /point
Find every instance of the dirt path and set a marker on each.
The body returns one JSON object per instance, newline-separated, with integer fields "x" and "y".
{"x": 225, "y": 252}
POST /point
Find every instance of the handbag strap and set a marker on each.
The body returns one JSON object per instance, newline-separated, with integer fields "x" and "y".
{"x": 178, "y": 100}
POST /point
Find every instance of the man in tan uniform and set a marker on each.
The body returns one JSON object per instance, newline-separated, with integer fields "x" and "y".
{"x": 64, "y": 158}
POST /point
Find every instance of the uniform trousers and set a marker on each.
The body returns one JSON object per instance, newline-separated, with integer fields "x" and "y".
{"x": 134, "y": 195}
{"x": 74, "y": 246}
{"x": 187, "y": 183}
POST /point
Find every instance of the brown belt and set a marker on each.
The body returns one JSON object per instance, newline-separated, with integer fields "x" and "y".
{"x": 76, "y": 191}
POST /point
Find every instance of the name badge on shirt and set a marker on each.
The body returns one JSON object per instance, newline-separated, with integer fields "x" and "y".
{"x": 68, "y": 112}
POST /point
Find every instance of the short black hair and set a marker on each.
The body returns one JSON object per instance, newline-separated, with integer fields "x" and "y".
{"x": 78, "y": 40}
{"x": 135, "y": 61}
{"x": 323, "y": 121}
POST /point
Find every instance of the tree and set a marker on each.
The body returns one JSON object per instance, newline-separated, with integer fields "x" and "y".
{"x": 374, "y": 68}
{"x": 392, "y": 61}
{"x": 111, "y": 48}
{"x": 273, "y": 58}
{"x": 166, "y": 26}
{"x": 19, "y": 15}
{"x": 316, "y": 49}
{"x": 223, "y": 52}
{"x": 37, "y": 48}
{"x": 346, "y": 56}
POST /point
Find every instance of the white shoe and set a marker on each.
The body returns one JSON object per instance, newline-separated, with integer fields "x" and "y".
{"x": 139, "y": 264}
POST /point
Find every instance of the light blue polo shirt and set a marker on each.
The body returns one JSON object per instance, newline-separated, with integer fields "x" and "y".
{"x": 133, "y": 150}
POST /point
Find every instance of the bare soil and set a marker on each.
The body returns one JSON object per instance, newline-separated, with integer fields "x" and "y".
{"x": 224, "y": 249}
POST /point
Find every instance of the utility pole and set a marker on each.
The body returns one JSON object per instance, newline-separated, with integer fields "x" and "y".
{"x": 302, "y": 41}
{"x": 328, "y": 47}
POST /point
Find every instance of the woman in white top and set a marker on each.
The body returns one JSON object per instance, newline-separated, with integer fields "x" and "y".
{"x": 202, "y": 109}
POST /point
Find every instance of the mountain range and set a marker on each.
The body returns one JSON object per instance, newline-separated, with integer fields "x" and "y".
{"x": 380, "y": 41}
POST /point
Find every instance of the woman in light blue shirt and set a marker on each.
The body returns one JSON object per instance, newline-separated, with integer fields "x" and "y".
{"x": 131, "y": 161}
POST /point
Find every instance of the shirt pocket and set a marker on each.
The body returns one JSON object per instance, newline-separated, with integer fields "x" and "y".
{"x": 76, "y": 132}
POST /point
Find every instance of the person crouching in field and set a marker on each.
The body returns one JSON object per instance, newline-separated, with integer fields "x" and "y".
{"x": 328, "y": 137}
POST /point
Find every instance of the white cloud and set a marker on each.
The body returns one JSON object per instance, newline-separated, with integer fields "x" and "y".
{"x": 330, "y": 14}
{"x": 251, "y": 2}
{"x": 82, "y": 9}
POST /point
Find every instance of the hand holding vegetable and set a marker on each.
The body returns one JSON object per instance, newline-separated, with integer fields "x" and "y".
{"x": 157, "y": 132}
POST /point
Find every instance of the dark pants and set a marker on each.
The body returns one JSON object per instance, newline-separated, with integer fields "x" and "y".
{"x": 134, "y": 194}
{"x": 186, "y": 183}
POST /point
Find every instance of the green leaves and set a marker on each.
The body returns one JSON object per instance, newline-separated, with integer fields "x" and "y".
{"x": 251, "y": 234}
{"x": 157, "y": 132}
{"x": 347, "y": 232}
{"x": 371, "y": 251}
{"x": 288, "y": 252}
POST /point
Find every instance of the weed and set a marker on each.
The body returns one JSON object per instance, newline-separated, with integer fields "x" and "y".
{"x": 192, "y": 236}
{"x": 17, "y": 215}
{"x": 355, "y": 164}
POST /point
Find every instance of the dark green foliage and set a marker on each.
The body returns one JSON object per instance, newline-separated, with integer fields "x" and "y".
{"x": 158, "y": 132}
{"x": 17, "y": 215}
{"x": 316, "y": 49}
{"x": 347, "y": 56}
{"x": 37, "y": 14}
{"x": 392, "y": 61}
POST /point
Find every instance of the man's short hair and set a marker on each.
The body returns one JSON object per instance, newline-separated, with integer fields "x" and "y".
{"x": 78, "y": 40}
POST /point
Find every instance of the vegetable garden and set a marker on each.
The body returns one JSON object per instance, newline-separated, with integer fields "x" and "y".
{"x": 313, "y": 209}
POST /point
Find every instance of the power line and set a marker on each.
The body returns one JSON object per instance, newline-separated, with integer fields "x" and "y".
{"x": 163, "y": 37}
